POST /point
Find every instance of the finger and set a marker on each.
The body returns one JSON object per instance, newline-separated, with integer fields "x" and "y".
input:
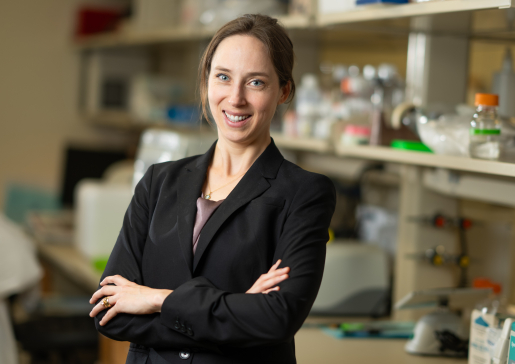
{"x": 277, "y": 288}
{"x": 108, "y": 316}
{"x": 104, "y": 291}
{"x": 100, "y": 306}
{"x": 274, "y": 267}
{"x": 117, "y": 279}
{"x": 274, "y": 281}
{"x": 278, "y": 272}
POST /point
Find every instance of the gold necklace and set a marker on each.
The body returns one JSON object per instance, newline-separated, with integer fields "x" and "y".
{"x": 208, "y": 196}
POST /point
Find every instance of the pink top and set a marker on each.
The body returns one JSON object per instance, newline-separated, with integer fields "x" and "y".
{"x": 205, "y": 209}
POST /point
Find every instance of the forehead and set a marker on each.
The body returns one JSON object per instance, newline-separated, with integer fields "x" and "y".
{"x": 242, "y": 53}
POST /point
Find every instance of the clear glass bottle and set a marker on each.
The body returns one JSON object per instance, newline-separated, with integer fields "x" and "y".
{"x": 485, "y": 128}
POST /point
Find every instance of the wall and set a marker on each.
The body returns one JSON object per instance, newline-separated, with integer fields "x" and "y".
{"x": 39, "y": 73}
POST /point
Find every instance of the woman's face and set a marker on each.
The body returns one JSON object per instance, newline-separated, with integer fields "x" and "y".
{"x": 243, "y": 89}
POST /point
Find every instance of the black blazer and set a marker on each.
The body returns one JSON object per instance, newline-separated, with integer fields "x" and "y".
{"x": 277, "y": 211}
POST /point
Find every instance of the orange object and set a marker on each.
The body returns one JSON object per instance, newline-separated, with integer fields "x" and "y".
{"x": 486, "y": 283}
{"x": 487, "y": 99}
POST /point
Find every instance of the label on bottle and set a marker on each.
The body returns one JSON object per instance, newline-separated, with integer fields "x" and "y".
{"x": 485, "y": 131}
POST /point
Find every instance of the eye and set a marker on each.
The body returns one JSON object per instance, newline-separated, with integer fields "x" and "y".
{"x": 257, "y": 83}
{"x": 222, "y": 77}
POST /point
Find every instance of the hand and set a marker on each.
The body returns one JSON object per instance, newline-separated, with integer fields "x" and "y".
{"x": 267, "y": 282}
{"x": 127, "y": 297}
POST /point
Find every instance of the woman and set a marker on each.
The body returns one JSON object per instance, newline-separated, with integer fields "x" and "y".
{"x": 176, "y": 286}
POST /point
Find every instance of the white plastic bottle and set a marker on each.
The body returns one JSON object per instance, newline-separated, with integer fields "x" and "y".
{"x": 485, "y": 128}
{"x": 308, "y": 100}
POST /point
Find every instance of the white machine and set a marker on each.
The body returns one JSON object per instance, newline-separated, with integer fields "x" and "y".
{"x": 441, "y": 332}
{"x": 101, "y": 204}
{"x": 356, "y": 281}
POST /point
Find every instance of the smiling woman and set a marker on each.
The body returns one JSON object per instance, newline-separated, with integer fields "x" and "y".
{"x": 220, "y": 256}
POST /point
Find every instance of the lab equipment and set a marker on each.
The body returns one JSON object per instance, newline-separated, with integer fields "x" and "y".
{"x": 355, "y": 135}
{"x": 355, "y": 282}
{"x": 437, "y": 256}
{"x": 478, "y": 347}
{"x": 100, "y": 208}
{"x": 443, "y": 128}
{"x": 504, "y": 86}
{"x": 110, "y": 76}
{"x": 19, "y": 271}
{"x": 485, "y": 128}
{"x": 441, "y": 332}
{"x": 308, "y": 105}
{"x": 511, "y": 355}
{"x": 158, "y": 145}
{"x": 500, "y": 352}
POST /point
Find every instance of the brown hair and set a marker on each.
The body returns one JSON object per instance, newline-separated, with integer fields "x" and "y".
{"x": 265, "y": 29}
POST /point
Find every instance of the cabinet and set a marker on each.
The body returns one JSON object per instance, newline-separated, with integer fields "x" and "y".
{"x": 430, "y": 31}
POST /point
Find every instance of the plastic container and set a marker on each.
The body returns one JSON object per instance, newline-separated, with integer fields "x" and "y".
{"x": 410, "y": 145}
{"x": 485, "y": 128}
{"x": 355, "y": 135}
{"x": 308, "y": 102}
{"x": 504, "y": 86}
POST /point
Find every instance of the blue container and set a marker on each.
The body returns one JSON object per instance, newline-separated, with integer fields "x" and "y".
{"x": 184, "y": 114}
{"x": 366, "y": 2}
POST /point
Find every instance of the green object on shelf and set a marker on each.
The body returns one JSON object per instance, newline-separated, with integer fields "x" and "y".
{"x": 100, "y": 263}
{"x": 410, "y": 145}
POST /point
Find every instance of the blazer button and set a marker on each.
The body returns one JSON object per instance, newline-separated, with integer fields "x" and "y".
{"x": 189, "y": 331}
{"x": 183, "y": 328}
{"x": 184, "y": 355}
{"x": 177, "y": 325}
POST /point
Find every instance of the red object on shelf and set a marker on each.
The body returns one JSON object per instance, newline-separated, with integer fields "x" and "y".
{"x": 94, "y": 20}
{"x": 486, "y": 283}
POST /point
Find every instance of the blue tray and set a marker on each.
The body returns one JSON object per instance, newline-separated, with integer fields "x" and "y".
{"x": 365, "y": 2}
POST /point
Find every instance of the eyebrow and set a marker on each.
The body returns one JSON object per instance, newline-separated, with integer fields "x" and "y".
{"x": 251, "y": 74}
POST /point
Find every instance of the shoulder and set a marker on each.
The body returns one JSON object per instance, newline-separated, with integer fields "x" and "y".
{"x": 160, "y": 171}
{"x": 299, "y": 178}
{"x": 303, "y": 188}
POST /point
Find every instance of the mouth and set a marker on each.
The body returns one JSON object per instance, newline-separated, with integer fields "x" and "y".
{"x": 236, "y": 118}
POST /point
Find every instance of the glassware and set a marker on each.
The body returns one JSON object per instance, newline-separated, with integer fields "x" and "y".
{"x": 485, "y": 128}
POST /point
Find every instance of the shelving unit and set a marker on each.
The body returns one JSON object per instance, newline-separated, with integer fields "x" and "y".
{"x": 169, "y": 35}
{"x": 415, "y": 198}
{"x": 381, "y": 12}
{"x": 302, "y": 144}
{"x": 465, "y": 164}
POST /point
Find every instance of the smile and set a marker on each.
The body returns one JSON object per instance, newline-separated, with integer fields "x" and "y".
{"x": 236, "y": 118}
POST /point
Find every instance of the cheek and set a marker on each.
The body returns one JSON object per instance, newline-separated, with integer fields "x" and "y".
{"x": 214, "y": 95}
{"x": 264, "y": 104}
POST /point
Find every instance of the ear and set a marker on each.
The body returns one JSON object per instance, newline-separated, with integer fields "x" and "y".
{"x": 285, "y": 92}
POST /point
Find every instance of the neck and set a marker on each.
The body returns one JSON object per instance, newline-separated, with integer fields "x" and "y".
{"x": 232, "y": 158}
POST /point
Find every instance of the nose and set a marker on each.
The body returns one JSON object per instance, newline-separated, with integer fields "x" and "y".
{"x": 237, "y": 96}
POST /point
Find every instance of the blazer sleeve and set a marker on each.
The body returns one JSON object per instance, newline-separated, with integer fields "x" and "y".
{"x": 246, "y": 320}
{"x": 125, "y": 260}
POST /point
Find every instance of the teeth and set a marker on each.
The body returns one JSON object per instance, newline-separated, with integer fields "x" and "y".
{"x": 235, "y": 118}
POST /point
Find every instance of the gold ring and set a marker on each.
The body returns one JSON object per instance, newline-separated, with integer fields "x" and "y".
{"x": 106, "y": 303}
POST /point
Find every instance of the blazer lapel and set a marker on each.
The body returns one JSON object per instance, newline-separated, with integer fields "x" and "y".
{"x": 253, "y": 184}
{"x": 188, "y": 190}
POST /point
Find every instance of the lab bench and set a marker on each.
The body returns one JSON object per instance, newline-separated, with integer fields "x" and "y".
{"x": 311, "y": 343}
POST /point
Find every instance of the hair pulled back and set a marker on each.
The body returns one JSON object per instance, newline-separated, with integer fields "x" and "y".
{"x": 269, "y": 32}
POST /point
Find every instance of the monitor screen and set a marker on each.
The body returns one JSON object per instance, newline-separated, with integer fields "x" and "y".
{"x": 80, "y": 163}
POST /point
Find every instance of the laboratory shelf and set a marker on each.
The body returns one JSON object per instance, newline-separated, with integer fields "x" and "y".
{"x": 71, "y": 263}
{"x": 128, "y": 37}
{"x": 386, "y": 154}
{"x": 302, "y": 144}
{"x": 383, "y": 11}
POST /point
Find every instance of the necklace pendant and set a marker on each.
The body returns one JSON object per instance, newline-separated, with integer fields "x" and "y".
{"x": 207, "y": 197}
